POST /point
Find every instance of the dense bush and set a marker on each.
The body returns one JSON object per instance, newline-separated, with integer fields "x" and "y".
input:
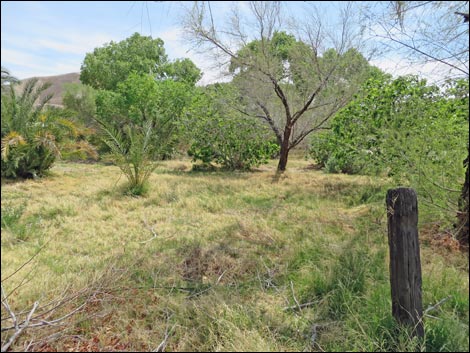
{"x": 219, "y": 135}
{"x": 406, "y": 129}
{"x": 236, "y": 144}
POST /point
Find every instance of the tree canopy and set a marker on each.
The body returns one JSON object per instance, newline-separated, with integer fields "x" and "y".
{"x": 112, "y": 63}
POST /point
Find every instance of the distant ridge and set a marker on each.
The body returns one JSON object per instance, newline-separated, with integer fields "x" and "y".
{"x": 57, "y": 87}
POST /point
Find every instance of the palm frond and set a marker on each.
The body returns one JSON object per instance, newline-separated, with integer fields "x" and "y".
{"x": 11, "y": 140}
{"x": 69, "y": 125}
{"x": 88, "y": 149}
{"x": 48, "y": 141}
{"x": 132, "y": 150}
{"x": 7, "y": 79}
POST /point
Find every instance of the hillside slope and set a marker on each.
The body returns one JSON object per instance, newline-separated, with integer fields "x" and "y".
{"x": 57, "y": 87}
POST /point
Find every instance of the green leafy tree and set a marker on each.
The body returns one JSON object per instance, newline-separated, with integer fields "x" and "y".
{"x": 109, "y": 106}
{"x": 173, "y": 98}
{"x": 182, "y": 70}
{"x": 432, "y": 32}
{"x": 140, "y": 98}
{"x": 112, "y": 63}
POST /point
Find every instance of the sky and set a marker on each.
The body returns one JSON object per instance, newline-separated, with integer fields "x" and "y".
{"x": 45, "y": 38}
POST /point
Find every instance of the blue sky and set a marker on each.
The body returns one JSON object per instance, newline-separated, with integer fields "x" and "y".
{"x": 43, "y": 38}
{"x": 52, "y": 37}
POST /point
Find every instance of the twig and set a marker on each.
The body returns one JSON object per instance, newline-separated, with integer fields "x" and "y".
{"x": 293, "y": 295}
{"x": 27, "y": 262}
{"x": 20, "y": 330}
{"x": 161, "y": 347}
{"x": 54, "y": 322}
{"x": 268, "y": 282}
{"x": 435, "y": 306}
{"x": 209, "y": 287}
{"x": 55, "y": 304}
{"x": 45, "y": 322}
{"x": 151, "y": 230}
{"x": 220, "y": 277}
{"x": 8, "y": 309}
{"x": 305, "y": 305}
{"x": 201, "y": 292}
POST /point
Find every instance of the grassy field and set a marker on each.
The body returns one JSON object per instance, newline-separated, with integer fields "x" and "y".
{"x": 216, "y": 261}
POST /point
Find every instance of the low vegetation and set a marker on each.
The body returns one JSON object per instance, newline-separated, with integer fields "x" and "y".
{"x": 212, "y": 261}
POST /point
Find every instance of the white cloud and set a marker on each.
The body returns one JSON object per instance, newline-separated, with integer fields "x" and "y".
{"x": 46, "y": 54}
{"x": 433, "y": 71}
{"x": 69, "y": 42}
{"x": 176, "y": 48}
{"x": 25, "y": 65}
{"x": 17, "y": 57}
{"x": 69, "y": 48}
{"x": 174, "y": 44}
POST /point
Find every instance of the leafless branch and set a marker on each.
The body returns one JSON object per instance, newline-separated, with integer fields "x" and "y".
{"x": 293, "y": 296}
{"x": 24, "y": 264}
{"x": 161, "y": 347}
{"x": 437, "y": 305}
{"x": 426, "y": 54}
{"x": 152, "y": 230}
{"x": 20, "y": 328}
{"x": 8, "y": 309}
{"x": 284, "y": 88}
{"x": 45, "y": 322}
{"x": 304, "y": 305}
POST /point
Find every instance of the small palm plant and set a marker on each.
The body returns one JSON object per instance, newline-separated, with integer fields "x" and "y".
{"x": 32, "y": 133}
{"x": 133, "y": 148}
{"x": 28, "y": 146}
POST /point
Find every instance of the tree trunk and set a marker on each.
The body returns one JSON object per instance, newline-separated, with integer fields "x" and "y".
{"x": 281, "y": 167}
{"x": 462, "y": 216}
{"x": 284, "y": 153}
{"x": 405, "y": 263}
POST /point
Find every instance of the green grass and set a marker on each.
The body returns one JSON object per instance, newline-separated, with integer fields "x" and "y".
{"x": 219, "y": 260}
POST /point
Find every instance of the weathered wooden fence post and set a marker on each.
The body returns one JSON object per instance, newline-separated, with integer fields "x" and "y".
{"x": 405, "y": 263}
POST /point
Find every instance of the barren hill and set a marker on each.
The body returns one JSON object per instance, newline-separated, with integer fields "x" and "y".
{"x": 57, "y": 87}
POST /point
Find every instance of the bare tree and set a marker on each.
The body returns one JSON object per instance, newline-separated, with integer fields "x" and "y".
{"x": 424, "y": 32}
{"x": 294, "y": 81}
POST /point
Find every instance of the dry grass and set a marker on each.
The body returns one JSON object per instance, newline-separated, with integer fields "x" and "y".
{"x": 213, "y": 259}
